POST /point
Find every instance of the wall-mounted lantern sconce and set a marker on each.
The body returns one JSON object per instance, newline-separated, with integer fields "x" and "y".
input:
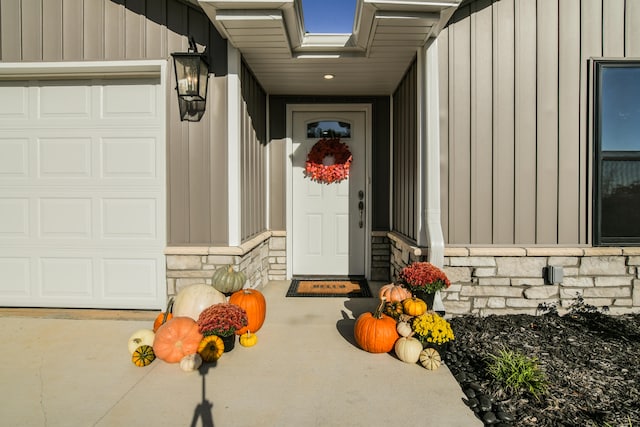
{"x": 192, "y": 72}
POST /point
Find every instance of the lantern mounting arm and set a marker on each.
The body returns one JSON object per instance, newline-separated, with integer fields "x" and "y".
{"x": 193, "y": 48}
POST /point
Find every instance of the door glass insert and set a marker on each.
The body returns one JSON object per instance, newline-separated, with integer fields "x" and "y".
{"x": 328, "y": 129}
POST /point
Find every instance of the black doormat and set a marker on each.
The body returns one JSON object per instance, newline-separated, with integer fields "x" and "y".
{"x": 329, "y": 287}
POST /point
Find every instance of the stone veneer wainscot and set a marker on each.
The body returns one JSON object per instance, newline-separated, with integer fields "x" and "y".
{"x": 509, "y": 280}
{"x": 261, "y": 258}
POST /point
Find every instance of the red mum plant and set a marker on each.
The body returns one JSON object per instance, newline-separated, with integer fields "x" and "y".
{"x": 424, "y": 277}
{"x": 222, "y": 319}
{"x": 328, "y": 161}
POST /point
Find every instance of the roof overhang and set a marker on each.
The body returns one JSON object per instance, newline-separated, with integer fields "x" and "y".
{"x": 288, "y": 61}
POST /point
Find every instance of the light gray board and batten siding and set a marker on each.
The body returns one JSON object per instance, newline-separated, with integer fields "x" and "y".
{"x": 104, "y": 30}
{"x": 515, "y": 125}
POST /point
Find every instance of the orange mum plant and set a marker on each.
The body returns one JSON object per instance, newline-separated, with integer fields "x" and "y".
{"x": 222, "y": 319}
{"x": 424, "y": 277}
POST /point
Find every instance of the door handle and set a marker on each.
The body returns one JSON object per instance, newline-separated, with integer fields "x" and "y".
{"x": 361, "y": 209}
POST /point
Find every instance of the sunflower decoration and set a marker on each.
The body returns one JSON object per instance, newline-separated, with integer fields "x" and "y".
{"x": 328, "y": 161}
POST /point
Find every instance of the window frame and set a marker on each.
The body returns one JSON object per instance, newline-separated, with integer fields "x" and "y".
{"x": 600, "y": 156}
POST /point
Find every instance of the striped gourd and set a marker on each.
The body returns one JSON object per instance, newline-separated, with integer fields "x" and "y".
{"x": 143, "y": 356}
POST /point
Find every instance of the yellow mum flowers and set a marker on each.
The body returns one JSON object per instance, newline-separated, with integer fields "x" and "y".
{"x": 432, "y": 328}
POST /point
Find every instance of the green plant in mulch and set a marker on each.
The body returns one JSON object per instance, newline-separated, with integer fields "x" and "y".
{"x": 517, "y": 372}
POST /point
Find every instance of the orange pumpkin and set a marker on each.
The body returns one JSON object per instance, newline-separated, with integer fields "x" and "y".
{"x": 177, "y": 338}
{"x": 163, "y": 317}
{"x": 394, "y": 293}
{"x": 376, "y": 332}
{"x": 254, "y": 304}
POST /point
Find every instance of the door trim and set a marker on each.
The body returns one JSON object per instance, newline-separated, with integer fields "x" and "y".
{"x": 337, "y": 108}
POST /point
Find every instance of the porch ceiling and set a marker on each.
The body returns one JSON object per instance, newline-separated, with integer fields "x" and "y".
{"x": 288, "y": 61}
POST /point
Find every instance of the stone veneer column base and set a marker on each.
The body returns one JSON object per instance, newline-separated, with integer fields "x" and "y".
{"x": 380, "y": 256}
{"x": 261, "y": 258}
{"x": 510, "y": 280}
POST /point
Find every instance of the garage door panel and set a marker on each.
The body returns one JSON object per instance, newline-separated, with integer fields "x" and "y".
{"x": 119, "y": 277}
{"x": 129, "y": 101}
{"x": 128, "y": 277}
{"x": 65, "y": 157}
{"x": 129, "y": 158}
{"x": 15, "y": 280}
{"x": 129, "y": 218}
{"x": 66, "y": 277}
{"x": 14, "y": 157}
{"x": 82, "y": 103}
{"x": 65, "y": 218}
{"x": 77, "y": 100}
{"x": 15, "y": 105}
{"x": 81, "y": 157}
{"x": 14, "y": 218}
{"x": 82, "y": 194}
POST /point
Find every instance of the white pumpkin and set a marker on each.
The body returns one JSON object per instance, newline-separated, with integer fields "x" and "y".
{"x": 190, "y": 362}
{"x": 193, "y": 299}
{"x": 430, "y": 359}
{"x": 408, "y": 349}
{"x": 404, "y": 329}
{"x": 140, "y": 337}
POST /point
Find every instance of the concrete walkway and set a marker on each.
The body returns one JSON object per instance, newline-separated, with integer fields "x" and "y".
{"x": 305, "y": 371}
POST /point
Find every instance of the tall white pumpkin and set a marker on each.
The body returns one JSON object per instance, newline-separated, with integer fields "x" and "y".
{"x": 194, "y": 299}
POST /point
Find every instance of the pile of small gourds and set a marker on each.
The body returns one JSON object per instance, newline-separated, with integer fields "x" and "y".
{"x": 389, "y": 328}
{"x": 176, "y": 338}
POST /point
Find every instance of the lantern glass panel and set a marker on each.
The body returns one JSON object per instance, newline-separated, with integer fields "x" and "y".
{"x": 191, "y": 76}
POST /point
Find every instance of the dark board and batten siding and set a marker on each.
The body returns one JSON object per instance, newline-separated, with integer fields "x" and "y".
{"x": 105, "y": 30}
{"x": 515, "y": 119}
{"x": 253, "y": 151}
{"x": 405, "y": 159}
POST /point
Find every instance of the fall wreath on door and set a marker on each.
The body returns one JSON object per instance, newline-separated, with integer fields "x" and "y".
{"x": 328, "y": 161}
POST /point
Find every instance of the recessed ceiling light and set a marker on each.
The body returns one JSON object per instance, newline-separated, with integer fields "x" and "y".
{"x": 329, "y": 76}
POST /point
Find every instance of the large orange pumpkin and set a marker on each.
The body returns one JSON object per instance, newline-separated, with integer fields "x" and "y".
{"x": 254, "y": 304}
{"x": 376, "y": 332}
{"x": 394, "y": 293}
{"x": 177, "y": 338}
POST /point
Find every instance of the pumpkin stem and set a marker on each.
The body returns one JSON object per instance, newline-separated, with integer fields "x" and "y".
{"x": 167, "y": 311}
{"x": 378, "y": 313}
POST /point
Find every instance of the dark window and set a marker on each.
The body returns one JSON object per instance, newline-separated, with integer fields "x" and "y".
{"x": 617, "y": 153}
{"x": 328, "y": 129}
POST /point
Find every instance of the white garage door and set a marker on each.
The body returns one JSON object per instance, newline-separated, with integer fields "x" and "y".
{"x": 82, "y": 193}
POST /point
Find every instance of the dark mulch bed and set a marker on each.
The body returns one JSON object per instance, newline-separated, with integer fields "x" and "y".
{"x": 591, "y": 361}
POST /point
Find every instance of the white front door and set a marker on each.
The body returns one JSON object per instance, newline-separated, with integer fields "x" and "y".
{"x": 328, "y": 221}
